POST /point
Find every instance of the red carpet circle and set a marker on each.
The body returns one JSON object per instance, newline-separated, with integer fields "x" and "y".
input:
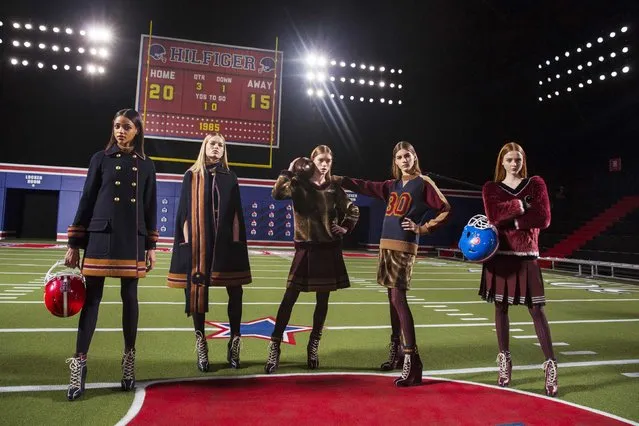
{"x": 349, "y": 399}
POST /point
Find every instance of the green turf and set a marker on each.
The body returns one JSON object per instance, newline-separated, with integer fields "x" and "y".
{"x": 446, "y": 342}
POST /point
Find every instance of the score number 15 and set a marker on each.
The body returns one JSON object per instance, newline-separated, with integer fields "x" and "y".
{"x": 264, "y": 101}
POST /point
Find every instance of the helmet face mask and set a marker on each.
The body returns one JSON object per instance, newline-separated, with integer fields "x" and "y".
{"x": 479, "y": 240}
{"x": 64, "y": 292}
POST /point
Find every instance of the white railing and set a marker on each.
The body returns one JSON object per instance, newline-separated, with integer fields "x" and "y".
{"x": 588, "y": 268}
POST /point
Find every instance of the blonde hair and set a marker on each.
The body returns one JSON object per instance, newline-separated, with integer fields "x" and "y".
{"x": 200, "y": 164}
{"x": 395, "y": 170}
{"x": 323, "y": 149}
{"x": 500, "y": 172}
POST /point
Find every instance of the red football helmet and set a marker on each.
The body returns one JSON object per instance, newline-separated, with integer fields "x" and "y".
{"x": 64, "y": 291}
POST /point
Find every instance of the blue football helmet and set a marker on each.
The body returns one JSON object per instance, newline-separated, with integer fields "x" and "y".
{"x": 479, "y": 240}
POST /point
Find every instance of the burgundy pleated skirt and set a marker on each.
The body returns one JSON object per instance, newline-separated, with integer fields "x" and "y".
{"x": 515, "y": 280}
{"x": 318, "y": 267}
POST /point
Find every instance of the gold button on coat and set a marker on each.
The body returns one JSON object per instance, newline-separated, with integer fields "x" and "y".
{"x": 133, "y": 184}
{"x": 135, "y": 169}
{"x": 117, "y": 183}
{"x": 133, "y": 200}
{"x": 116, "y": 199}
{"x": 118, "y": 155}
{"x": 118, "y": 167}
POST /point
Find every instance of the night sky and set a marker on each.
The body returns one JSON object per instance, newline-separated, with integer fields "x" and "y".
{"x": 470, "y": 84}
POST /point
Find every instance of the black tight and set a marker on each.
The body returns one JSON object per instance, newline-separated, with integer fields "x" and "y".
{"x": 400, "y": 313}
{"x": 286, "y": 308}
{"x": 234, "y": 310}
{"x": 89, "y": 314}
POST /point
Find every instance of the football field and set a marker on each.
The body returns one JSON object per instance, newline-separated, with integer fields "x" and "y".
{"x": 594, "y": 325}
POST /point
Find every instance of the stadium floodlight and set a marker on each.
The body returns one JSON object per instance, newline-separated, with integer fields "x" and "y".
{"x": 613, "y": 74}
{"x": 557, "y": 76}
{"x": 371, "y": 82}
{"x": 352, "y": 80}
{"x": 589, "y": 63}
{"x": 332, "y": 78}
{"x": 42, "y": 46}
{"x": 55, "y": 48}
{"x": 612, "y": 34}
{"x": 342, "y": 79}
{"x": 547, "y": 62}
{"x": 67, "y": 49}
{"x": 382, "y": 69}
{"x": 0, "y": 41}
{"x": 321, "y": 76}
{"x": 392, "y": 85}
{"x": 580, "y": 67}
{"x": 382, "y": 100}
{"x": 399, "y": 86}
{"x": 321, "y": 61}
{"x": 341, "y": 96}
{"x": 27, "y": 44}
{"x": 40, "y": 65}
{"x": 14, "y": 61}
{"x": 320, "y": 93}
{"x": 93, "y": 51}
{"x": 588, "y": 45}
{"x": 625, "y": 49}
{"x": 42, "y": 27}
{"x": 579, "y": 50}
{"x": 601, "y": 59}
{"x": 310, "y": 76}
{"x": 80, "y": 49}
{"x": 613, "y": 54}
{"x": 625, "y": 69}
{"x": 91, "y": 69}
{"x": 399, "y": 102}
{"x": 1, "y": 23}
{"x": 332, "y": 95}
{"x": 382, "y": 84}
{"x": 361, "y": 81}
{"x": 54, "y": 66}
{"x": 589, "y": 81}
{"x": 78, "y": 67}
{"x": 311, "y": 59}
{"x": 556, "y": 93}
{"x": 602, "y": 77}
{"x": 56, "y": 29}
{"x": 624, "y": 29}
{"x": 370, "y": 100}
{"x": 599, "y": 39}
{"x": 539, "y": 66}
{"x": 399, "y": 71}
{"x": 541, "y": 82}
{"x": 390, "y": 102}
{"x": 568, "y": 89}
{"x": 66, "y": 68}
{"x": 17, "y": 25}
{"x": 352, "y": 97}
{"x": 549, "y": 79}
{"x": 392, "y": 70}
{"x": 361, "y": 99}
{"x": 101, "y": 70}
{"x": 569, "y": 72}
{"x": 28, "y": 26}
{"x": 68, "y": 30}
{"x": 362, "y": 66}
{"x": 99, "y": 34}
{"x": 567, "y": 54}
{"x": 333, "y": 62}
{"x": 581, "y": 85}
{"x": 25, "y": 62}
{"x": 353, "y": 65}
{"x": 556, "y": 58}
{"x": 83, "y": 33}
{"x": 16, "y": 43}
{"x": 342, "y": 64}
{"x": 549, "y": 95}
{"x": 371, "y": 68}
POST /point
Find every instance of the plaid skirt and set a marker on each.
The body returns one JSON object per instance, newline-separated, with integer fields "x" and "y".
{"x": 395, "y": 269}
{"x": 512, "y": 279}
{"x": 318, "y": 267}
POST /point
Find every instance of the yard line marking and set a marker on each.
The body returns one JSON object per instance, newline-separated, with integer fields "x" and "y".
{"x": 460, "y": 315}
{"x": 6, "y": 298}
{"x": 446, "y": 310}
{"x": 512, "y": 329}
{"x": 527, "y": 336}
{"x": 631, "y": 375}
{"x": 346, "y": 327}
{"x": 555, "y": 344}
{"x": 435, "y": 306}
{"x": 33, "y": 288}
{"x": 474, "y": 319}
{"x": 570, "y": 353}
{"x": 475, "y": 370}
{"x": 13, "y": 293}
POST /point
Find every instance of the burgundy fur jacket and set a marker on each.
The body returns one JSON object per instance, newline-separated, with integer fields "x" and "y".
{"x": 518, "y": 214}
